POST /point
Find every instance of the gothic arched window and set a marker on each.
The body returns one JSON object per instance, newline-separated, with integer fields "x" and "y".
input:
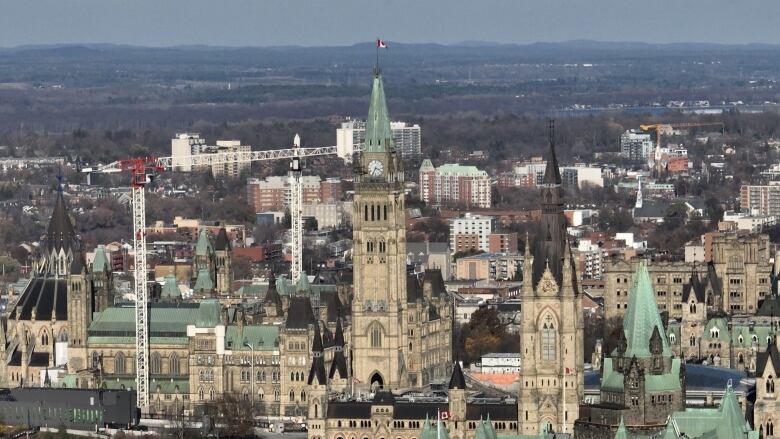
{"x": 156, "y": 366}
{"x": 174, "y": 364}
{"x": 119, "y": 363}
{"x": 770, "y": 385}
{"x": 548, "y": 339}
{"x": 375, "y": 332}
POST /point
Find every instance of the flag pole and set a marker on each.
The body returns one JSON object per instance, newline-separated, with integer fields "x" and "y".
{"x": 377, "y": 54}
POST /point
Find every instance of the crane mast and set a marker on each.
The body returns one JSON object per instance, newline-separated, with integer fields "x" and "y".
{"x": 143, "y": 171}
{"x": 296, "y": 212}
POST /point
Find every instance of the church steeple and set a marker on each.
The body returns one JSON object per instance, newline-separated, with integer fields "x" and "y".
{"x": 60, "y": 234}
{"x": 551, "y": 237}
{"x": 317, "y": 371}
{"x": 379, "y": 136}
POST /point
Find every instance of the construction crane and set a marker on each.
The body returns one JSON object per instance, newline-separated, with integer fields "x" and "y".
{"x": 668, "y": 128}
{"x": 142, "y": 171}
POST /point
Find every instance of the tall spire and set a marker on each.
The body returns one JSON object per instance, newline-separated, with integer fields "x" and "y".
{"x": 552, "y": 174}
{"x": 551, "y": 237}
{"x": 60, "y": 234}
{"x": 379, "y": 136}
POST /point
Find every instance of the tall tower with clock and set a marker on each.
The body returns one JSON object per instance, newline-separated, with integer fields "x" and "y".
{"x": 379, "y": 254}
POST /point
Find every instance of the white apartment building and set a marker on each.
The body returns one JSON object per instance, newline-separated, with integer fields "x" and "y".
{"x": 457, "y": 184}
{"x": 185, "y": 144}
{"x": 636, "y": 145}
{"x": 752, "y": 223}
{"x": 581, "y": 175}
{"x": 470, "y": 230}
{"x": 535, "y": 167}
{"x": 352, "y": 135}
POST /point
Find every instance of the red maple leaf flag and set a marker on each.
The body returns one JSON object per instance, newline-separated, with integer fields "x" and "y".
{"x": 381, "y": 44}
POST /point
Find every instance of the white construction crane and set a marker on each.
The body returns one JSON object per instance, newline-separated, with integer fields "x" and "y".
{"x": 143, "y": 171}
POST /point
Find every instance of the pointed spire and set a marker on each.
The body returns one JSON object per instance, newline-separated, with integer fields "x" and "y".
{"x": 638, "y": 204}
{"x": 642, "y": 317}
{"x": 272, "y": 297}
{"x": 552, "y": 173}
{"x": 203, "y": 247}
{"x": 60, "y": 234}
{"x": 100, "y": 261}
{"x": 317, "y": 372}
{"x": 379, "y": 136}
{"x": 621, "y": 433}
{"x": 339, "y": 363}
{"x": 457, "y": 380}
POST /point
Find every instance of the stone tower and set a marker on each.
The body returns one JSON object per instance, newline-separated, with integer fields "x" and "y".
{"x": 102, "y": 280}
{"x": 80, "y": 308}
{"x": 379, "y": 253}
{"x": 551, "y": 339}
{"x": 222, "y": 262}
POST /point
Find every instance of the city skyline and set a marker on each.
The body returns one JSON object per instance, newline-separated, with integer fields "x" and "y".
{"x": 254, "y": 23}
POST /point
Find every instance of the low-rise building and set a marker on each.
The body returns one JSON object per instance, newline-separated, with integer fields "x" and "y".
{"x": 492, "y": 266}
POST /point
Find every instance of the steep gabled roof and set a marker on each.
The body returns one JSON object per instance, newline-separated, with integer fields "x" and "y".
{"x": 413, "y": 289}
{"x": 272, "y": 297}
{"x": 222, "y": 243}
{"x": 100, "y": 261}
{"x": 694, "y": 286}
{"x": 713, "y": 281}
{"x": 770, "y": 355}
{"x": 379, "y": 136}
{"x": 300, "y": 314}
{"x": 433, "y": 279}
{"x": 642, "y": 317}
{"x": 770, "y": 307}
{"x": 203, "y": 247}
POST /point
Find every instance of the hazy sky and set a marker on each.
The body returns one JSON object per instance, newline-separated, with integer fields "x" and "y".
{"x": 343, "y": 22}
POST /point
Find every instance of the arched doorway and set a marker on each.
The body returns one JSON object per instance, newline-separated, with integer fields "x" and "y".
{"x": 376, "y": 381}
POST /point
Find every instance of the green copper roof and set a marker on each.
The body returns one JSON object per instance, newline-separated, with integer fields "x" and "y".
{"x": 642, "y": 317}
{"x": 203, "y": 282}
{"x": 666, "y": 382}
{"x": 208, "y": 314}
{"x": 165, "y": 321}
{"x": 170, "y": 289}
{"x": 434, "y": 431}
{"x": 100, "y": 262}
{"x": 303, "y": 283}
{"x": 203, "y": 247}
{"x": 621, "y": 432}
{"x": 724, "y": 422}
{"x": 485, "y": 430}
{"x": 669, "y": 433}
{"x": 379, "y": 136}
{"x": 261, "y": 337}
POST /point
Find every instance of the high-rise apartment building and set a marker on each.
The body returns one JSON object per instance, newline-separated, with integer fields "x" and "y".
{"x": 454, "y": 184}
{"x": 636, "y": 145}
{"x": 352, "y": 135}
{"x": 185, "y": 144}
{"x": 761, "y": 199}
{"x": 471, "y": 231}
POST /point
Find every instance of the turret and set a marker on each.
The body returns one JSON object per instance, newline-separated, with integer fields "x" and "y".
{"x": 318, "y": 384}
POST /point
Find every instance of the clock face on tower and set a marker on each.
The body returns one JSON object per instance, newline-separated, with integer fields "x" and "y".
{"x": 375, "y": 168}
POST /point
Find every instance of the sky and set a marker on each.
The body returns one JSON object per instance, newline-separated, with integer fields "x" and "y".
{"x": 345, "y": 22}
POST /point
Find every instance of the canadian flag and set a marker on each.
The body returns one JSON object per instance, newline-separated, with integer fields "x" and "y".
{"x": 381, "y": 44}
{"x": 444, "y": 415}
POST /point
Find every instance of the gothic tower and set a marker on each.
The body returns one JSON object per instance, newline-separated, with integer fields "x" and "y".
{"x": 80, "y": 309}
{"x": 551, "y": 340}
{"x": 222, "y": 260}
{"x": 379, "y": 253}
{"x": 102, "y": 280}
